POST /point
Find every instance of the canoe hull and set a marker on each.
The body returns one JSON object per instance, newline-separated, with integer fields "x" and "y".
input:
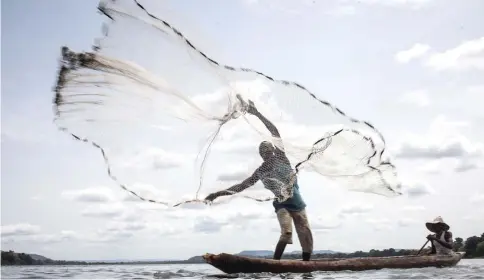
{"x": 237, "y": 264}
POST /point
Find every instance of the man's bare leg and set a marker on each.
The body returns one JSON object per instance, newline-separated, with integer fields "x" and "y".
{"x": 304, "y": 233}
{"x": 285, "y": 221}
{"x": 280, "y": 247}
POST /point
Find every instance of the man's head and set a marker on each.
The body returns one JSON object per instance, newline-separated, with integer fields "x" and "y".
{"x": 437, "y": 225}
{"x": 266, "y": 150}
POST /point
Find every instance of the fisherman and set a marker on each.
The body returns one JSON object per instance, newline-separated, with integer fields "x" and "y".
{"x": 276, "y": 172}
{"x": 442, "y": 240}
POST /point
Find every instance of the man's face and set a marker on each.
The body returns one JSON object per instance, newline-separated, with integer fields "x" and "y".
{"x": 266, "y": 150}
{"x": 440, "y": 229}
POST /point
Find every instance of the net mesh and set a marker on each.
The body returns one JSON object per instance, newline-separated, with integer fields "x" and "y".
{"x": 165, "y": 113}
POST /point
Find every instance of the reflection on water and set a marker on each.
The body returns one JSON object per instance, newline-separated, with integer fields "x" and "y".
{"x": 466, "y": 269}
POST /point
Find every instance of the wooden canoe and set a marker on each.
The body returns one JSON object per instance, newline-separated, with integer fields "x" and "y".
{"x": 237, "y": 264}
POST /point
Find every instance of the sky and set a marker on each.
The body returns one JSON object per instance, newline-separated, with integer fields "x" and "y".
{"x": 412, "y": 68}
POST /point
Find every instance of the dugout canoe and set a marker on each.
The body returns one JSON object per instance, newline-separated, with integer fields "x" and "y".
{"x": 238, "y": 264}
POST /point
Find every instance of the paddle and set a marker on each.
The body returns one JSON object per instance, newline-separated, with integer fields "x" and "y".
{"x": 422, "y": 248}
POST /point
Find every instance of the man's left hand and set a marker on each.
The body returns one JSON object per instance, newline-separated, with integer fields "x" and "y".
{"x": 430, "y": 237}
{"x": 211, "y": 197}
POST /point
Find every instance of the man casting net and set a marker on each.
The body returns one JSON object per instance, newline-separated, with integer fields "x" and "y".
{"x": 166, "y": 113}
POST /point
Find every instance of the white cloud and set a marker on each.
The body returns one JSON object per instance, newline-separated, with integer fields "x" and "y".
{"x": 456, "y": 147}
{"x": 413, "y": 208}
{"x": 112, "y": 232}
{"x": 417, "y": 189}
{"x": 406, "y": 222}
{"x": 101, "y": 236}
{"x": 467, "y": 55}
{"x": 94, "y": 194}
{"x": 457, "y": 164}
{"x": 156, "y": 158}
{"x": 343, "y": 10}
{"x": 125, "y": 226}
{"x": 464, "y": 165}
{"x": 110, "y": 210}
{"x": 281, "y": 6}
{"x": 443, "y": 140}
{"x": 109, "y": 199}
{"x": 19, "y": 229}
{"x": 414, "y": 4}
{"x": 236, "y": 173}
{"x": 167, "y": 230}
{"x": 224, "y": 216}
{"x": 250, "y": 2}
{"x": 476, "y": 89}
{"x": 473, "y": 218}
{"x": 233, "y": 177}
{"x": 355, "y": 209}
{"x": 380, "y": 224}
{"x": 149, "y": 192}
{"x": 65, "y": 235}
{"x": 416, "y": 97}
{"x": 431, "y": 167}
{"x": 247, "y": 216}
{"x": 477, "y": 198}
{"x": 208, "y": 225}
{"x": 325, "y": 223}
{"x": 416, "y": 51}
{"x": 18, "y": 128}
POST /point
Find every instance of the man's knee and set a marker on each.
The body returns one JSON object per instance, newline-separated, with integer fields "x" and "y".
{"x": 286, "y": 237}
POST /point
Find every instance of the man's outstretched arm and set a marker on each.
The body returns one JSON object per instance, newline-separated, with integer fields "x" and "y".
{"x": 236, "y": 188}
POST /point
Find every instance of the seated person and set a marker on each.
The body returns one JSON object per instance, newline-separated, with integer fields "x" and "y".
{"x": 441, "y": 240}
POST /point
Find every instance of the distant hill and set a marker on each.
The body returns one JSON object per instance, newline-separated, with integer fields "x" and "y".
{"x": 13, "y": 258}
{"x": 195, "y": 259}
{"x": 38, "y": 257}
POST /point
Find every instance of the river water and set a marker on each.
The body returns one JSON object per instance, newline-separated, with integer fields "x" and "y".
{"x": 466, "y": 269}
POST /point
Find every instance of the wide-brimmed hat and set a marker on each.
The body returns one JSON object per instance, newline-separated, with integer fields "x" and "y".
{"x": 436, "y": 224}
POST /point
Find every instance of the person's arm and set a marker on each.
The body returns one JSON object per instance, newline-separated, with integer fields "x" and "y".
{"x": 431, "y": 237}
{"x": 448, "y": 240}
{"x": 236, "y": 188}
{"x": 271, "y": 127}
{"x": 268, "y": 124}
{"x": 432, "y": 251}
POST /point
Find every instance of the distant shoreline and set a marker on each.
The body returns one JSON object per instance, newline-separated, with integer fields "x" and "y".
{"x": 10, "y": 258}
{"x": 472, "y": 246}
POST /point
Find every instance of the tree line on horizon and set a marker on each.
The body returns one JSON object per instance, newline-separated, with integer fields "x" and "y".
{"x": 473, "y": 247}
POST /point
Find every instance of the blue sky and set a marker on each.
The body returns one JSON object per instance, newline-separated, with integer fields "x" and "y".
{"x": 361, "y": 55}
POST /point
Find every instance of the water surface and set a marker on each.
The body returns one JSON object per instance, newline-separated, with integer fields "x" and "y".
{"x": 466, "y": 269}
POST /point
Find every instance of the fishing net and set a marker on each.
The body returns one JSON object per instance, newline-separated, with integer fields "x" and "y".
{"x": 164, "y": 112}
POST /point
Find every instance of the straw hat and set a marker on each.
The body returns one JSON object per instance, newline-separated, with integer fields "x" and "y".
{"x": 436, "y": 224}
